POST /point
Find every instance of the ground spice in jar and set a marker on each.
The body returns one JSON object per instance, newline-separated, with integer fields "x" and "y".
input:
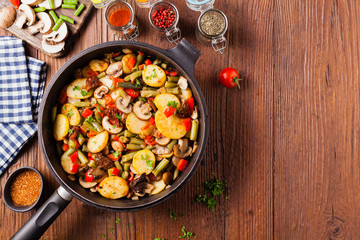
{"x": 26, "y": 188}
{"x": 212, "y": 23}
{"x": 120, "y": 17}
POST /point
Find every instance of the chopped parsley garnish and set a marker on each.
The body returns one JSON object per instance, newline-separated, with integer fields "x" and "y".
{"x": 149, "y": 162}
{"x": 84, "y": 93}
{"x": 114, "y": 192}
{"x": 70, "y": 131}
{"x": 98, "y": 108}
{"x": 186, "y": 234}
{"x": 112, "y": 230}
{"x": 64, "y": 107}
{"x": 173, "y": 215}
{"x": 89, "y": 119}
{"x": 116, "y": 154}
{"x": 212, "y": 188}
{"x": 159, "y": 238}
{"x": 129, "y": 225}
{"x": 118, "y": 116}
{"x": 173, "y": 104}
{"x": 76, "y": 88}
{"x": 117, "y": 220}
{"x": 103, "y": 235}
{"x": 137, "y": 83}
{"x": 154, "y": 75}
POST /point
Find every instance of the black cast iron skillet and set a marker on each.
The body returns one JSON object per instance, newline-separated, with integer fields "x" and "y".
{"x": 183, "y": 58}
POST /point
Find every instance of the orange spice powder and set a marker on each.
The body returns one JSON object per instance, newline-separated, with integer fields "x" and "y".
{"x": 25, "y": 189}
{"x": 120, "y": 17}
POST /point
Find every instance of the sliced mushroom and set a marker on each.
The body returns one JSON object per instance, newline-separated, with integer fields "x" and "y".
{"x": 194, "y": 148}
{"x": 149, "y": 188}
{"x": 123, "y": 104}
{"x": 109, "y": 127}
{"x": 183, "y": 84}
{"x": 182, "y": 149}
{"x": 106, "y": 150}
{"x": 195, "y": 114}
{"x": 43, "y": 25}
{"x": 117, "y": 146}
{"x": 52, "y": 48}
{"x": 31, "y": 2}
{"x": 161, "y": 139}
{"x": 59, "y": 35}
{"x": 7, "y": 17}
{"x": 152, "y": 106}
{"x": 57, "y": 4}
{"x": 142, "y": 110}
{"x": 26, "y": 14}
{"x": 163, "y": 152}
{"x": 101, "y": 91}
{"x": 175, "y": 160}
{"x": 85, "y": 184}
{"x": 115, "y": 69}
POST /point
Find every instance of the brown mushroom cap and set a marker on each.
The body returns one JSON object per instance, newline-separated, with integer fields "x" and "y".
{"x": 142, "y": 110}
{"x": 123, "y": 104}
{"x": 101, "y": 91}
{"x": 109, "y": 127}
{"x": 115, "y": 69}
{"x": 182, "y": 149}
{"x": 7, "y": 17}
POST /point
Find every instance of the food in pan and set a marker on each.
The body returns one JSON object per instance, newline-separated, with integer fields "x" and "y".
{"x": 126, "y": 126}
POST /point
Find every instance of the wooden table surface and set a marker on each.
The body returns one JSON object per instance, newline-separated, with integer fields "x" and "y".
{"x": 287, "y": 142}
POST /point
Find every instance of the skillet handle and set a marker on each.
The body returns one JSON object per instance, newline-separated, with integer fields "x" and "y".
{"x": 35, "y": 227}
{"x": 185, "y": 54}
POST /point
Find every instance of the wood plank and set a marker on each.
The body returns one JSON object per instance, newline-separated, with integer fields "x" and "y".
{"x": 35, "y": 40}
{"x": 317, "y": 120}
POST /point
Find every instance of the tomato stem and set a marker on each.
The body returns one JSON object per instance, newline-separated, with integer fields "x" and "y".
{"x": 237, "y": 80}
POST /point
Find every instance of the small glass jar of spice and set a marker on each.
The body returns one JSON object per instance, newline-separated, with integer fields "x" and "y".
{"x": 120, "y": 17}
{"x": 164, "y": 17}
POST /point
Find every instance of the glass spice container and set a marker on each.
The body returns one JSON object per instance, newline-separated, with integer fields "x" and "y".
{"x": 146, "y": 3}
{"x": 212, "y": 26}
{"x": 164, "y": 17}
{"x": 200, "y": 5}
{"x": 120, "y": 17}
{"x": 100, "y": 3}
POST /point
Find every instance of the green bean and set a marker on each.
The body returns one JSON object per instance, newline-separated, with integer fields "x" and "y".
{"x": 173, "y": 79}
{"x": 129, "y": 85}
{"x": 89, "y": 126}
{"x": 39, "y": 9}
{"x": 69, "y": 20}
{"x": 176, "y": 174}
{"x": 83, "y": 159}
{"x": 146, "y": 93}
{"x": 172, "y": 144}
{"x": 85, "y": 148}
{"x": 57, "y": 24}
{"x": 194, "y": 130}
{"x": 74, "y": 2}
{"x": 131, "y": 146}
{"x": 149, "y": 88}
{"x": 68, "y": 6}
{"x": 121, "y": 133}
{"x": 81, "y": 104}
{"x": 175, "y": 90}
{"x": 163, "y": 65}
{"x": 70, "y": 151}
{"x": 101, "y": 75}
{"x": 170, "y": 85}
{"x": 53, "y": 15}
{"x": 124, "y": 139}
{"x": 125, "y": 175}
{"x": 79, "y": 10}
{"x": 128, "y": 157}
{"x": 156, "y": 62}
{"x": 98, "y": 117}
{"x": 160, "y": 166}
{"x": 119, "y": 58}
{"x": 136, "y": 141}
{"x": 51, "y": 4}
{"x": 98, "y": 126}
{"x": 133, "y": 76}
{"x": 139, "y": 60}
{"x": 128, "y": 134}
{"x": 81, "y": 139}
{"x": 72, "y": 144}
{"x": 92, "y": 164}
{"x": 127, "y": 166}
{"x": 118, "y": 165}
{"x": 53, "y": 113}
{"x": 149, "y": 147}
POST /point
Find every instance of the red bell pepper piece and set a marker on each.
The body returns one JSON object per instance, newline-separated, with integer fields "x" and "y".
{"x": 74, "y": 156}
{"x": 191, "y": 103}
{"x": 108, "y": 99}
{"x": 182, "y": 164}
{"x": 63, "y": 97}
{"x": 151, "y": 177}
{"x": 142, "y": 66}
{"x": 74, "y": 167}
{"x": 140, "y": 53}
{"x": 187, "y": 123}
{"x": 88, "y": 177}
{"x": 65, "y": 147}
{"x": 99, "y": 109}
{"x": 131, "y": 63}
{"x": 131, "y": 176}
{"x": 91, "y": 133}
{"x": 115, "y": 171}
{"x": 112, "y": 157}
{"x": 77, "y": 144}
{"x": 151, "y": 99}
{"x": 149, "y": 140}
{"x": 92, "y": 73}
{"x": 132, "y": 93}
{"x": 173, "y": 73}
{"x": 152, "y": 121}
{"x": 147, "y": 62}
{"x": 116, "y": 138}
{"x": 87, "y": 112}
{"x": 16, "y": 3}
{"x": 169, "y": 111}
{"x": 116, "y": 54}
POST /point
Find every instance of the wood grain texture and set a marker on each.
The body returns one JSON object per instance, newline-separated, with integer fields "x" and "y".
{"x": 35, "y": 40}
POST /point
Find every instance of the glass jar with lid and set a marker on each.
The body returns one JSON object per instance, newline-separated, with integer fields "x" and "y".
{"x": 146, "y": 3}
{"x": 200, "y": 5}
{"x": 120, "y": 17}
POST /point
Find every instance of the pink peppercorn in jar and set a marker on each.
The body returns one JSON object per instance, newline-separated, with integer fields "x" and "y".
{"x": 164, "y": 17}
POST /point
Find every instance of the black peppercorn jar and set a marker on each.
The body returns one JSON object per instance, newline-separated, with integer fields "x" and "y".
{"x": 164, "y": 17}
{"x": 212, "y": 26}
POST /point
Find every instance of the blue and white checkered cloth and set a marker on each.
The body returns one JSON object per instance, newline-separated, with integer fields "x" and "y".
{"x": 22, "y": 82}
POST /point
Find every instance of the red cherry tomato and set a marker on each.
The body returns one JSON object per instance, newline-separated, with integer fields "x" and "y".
{"x": 229, "y": 78}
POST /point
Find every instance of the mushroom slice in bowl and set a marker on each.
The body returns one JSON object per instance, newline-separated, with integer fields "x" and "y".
{"x": 182, "y": 149}
{"x": 123, "y": 104}
{"x": 115, "y": 69}
{"x": 109, "y": 127}
{"x": 142, "y": 110}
